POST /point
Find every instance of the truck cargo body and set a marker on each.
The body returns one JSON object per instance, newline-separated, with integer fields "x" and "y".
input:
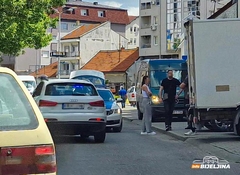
{"x": 213, "y": 68}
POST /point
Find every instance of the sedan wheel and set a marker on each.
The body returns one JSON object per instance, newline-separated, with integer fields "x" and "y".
{"x": 100, "y": 137}
{"x": 119, "y": 128}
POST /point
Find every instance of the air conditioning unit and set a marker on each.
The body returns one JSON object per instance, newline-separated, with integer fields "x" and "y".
{"x": 153, "y": 2}
{"x": 153, "y": 27}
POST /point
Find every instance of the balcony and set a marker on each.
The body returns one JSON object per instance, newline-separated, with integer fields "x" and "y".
{"x": 72, "y": 54}
{"x": 65, "y": 72}
{"x": 146, "y": 45}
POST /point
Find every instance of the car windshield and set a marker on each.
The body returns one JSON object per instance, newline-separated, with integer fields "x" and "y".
{"x": 70, "y": 89}
{"x": 106, "y": 95}
{"x": 156, "y": 76}
{"x": 16, "y": 112}
{"x": 29, "y": 84}
{"x": 93, "y": 79}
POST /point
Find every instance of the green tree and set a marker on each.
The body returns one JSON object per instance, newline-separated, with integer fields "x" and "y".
{"x": 24, "y": 24}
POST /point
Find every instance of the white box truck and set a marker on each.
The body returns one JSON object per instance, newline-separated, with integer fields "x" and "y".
{"x": 213, "y": 70}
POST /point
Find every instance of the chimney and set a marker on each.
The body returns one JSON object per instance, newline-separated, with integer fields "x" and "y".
{"x": 95, "y": 3}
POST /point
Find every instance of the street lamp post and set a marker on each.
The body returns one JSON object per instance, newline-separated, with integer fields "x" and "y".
{"x": 59, "y": 38}
{"x": 59, "y": 45}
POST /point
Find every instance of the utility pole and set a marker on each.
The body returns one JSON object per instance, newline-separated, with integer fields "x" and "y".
{"x": 119, "y": 51}
{"x": 59, "y": 45}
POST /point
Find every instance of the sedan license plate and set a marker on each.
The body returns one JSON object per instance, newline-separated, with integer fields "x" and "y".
{"x": 73, "y": 106}
{"x": 177, "y": 112}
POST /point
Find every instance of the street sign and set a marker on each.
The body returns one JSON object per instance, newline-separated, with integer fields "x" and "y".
{"x": 58, "y": 54}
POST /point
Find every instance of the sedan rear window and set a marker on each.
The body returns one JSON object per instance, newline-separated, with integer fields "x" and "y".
{"x": 16, "y": 112}
{"x": 70, "y": 89}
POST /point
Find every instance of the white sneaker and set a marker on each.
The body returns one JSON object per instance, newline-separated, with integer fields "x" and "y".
{"x": 143, "y": 133}
{"x": 190, "y": 133}
{"x": 151, "y": 133}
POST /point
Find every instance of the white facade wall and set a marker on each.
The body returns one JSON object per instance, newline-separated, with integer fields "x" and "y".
{"x": 82, "y": 50}
{"x": 150, "y": 19}
{"x": 132, "y": 34}
{"x": 101, "y": 38}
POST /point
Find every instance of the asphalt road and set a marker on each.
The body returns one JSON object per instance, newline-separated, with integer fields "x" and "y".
{"x": 129, "y": 153}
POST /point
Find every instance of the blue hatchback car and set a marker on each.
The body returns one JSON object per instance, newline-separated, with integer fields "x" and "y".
{"x": 114, "y": 112}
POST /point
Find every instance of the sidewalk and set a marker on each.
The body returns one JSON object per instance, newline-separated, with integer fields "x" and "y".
{"x": 224, "y": 144}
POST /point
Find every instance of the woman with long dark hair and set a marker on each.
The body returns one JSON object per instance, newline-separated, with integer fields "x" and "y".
{"x": 147, "y": 112}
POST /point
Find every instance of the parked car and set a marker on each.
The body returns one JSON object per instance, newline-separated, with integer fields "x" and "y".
{"x": 73, "y": 107}
{"x": 29, "y": 81}
{"x": 113, "y": 110}
{"x": 131, "y": 95}
{"x": 26, "y": 143}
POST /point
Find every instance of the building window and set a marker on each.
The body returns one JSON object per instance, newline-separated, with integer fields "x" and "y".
{"x": 45, "y": 54}
{"x": 84, "y": 12}
{"x": 157, "y": 2}
{"x": 131, "y": 41}
{"x": 101, "y": 14}
{"x": 146, "y": 5}
{"x": 64, "y": 26}
{"x": 135, "y": 29}
{"x": 66, "y": 49}
{"x": 155, "y": 20}
{"x": 131, "y": 29}
{"x": 155, "y": 40}
{"x": 174, "y": 22}
{"x": 135, "y": 41}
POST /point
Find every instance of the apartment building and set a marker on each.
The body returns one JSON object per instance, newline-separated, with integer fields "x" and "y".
{"x": 161, "y": 24}
{"x": 73, "y": 14}
{"x": 83, "y": 43}
{"x": 132, "y": 32}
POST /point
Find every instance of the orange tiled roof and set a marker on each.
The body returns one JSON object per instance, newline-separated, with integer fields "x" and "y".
{"x": 113, "y": 61}
{"x": 132, "y": 18}
{"x": 80, "y": 31}
{"x": 50, "y": 70}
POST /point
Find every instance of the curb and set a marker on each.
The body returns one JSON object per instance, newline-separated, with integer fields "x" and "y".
{"x": 160, "y": 130}
{"x": 171, "y": 134}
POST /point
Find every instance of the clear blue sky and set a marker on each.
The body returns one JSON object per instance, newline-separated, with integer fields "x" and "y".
{"x": 130, "y": 5}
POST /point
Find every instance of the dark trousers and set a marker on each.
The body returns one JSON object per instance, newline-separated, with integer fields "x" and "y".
{"x": 190, "y": 116}
{"x": 169, "y": 107}
{"x": 123, "y": 101}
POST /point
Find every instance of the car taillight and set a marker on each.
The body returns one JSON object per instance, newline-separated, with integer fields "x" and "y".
{"x": 47, "y": 103}
{"x": 97, "y": 119}
{"x": 97, "y": 103}
{"x": 133, "y": 95}
{"x": 46, "y": 159}
{"x": 28, "y": 160}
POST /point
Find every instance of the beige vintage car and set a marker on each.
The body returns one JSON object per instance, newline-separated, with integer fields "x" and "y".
{"x": 26, "y": 144}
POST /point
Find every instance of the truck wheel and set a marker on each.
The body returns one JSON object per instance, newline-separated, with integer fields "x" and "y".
{"x": 100, "y": 137}
{"x": 215, "y": 125}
